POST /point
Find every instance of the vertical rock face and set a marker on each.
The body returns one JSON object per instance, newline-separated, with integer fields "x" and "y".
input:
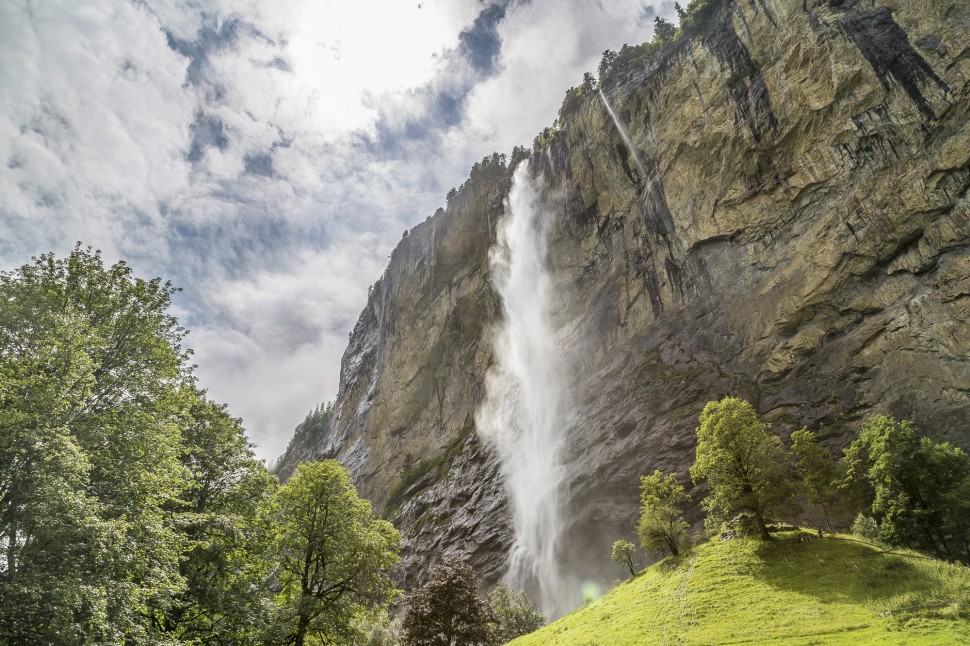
{"x": 796, "y": 233}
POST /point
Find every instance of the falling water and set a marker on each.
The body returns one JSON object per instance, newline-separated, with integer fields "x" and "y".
{"x": 524, "y": 411}
{"x": 623, "y": 135}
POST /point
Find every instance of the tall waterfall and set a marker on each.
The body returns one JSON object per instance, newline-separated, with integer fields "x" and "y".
{"x": 524, "y": 412}
{"x": 623, "y": 135}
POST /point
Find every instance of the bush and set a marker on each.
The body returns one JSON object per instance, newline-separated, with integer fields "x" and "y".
{"x": 515, "y": 613}
{"x": 866, "y": 527}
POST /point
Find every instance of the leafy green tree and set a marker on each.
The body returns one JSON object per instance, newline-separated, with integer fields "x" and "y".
{"x": 918, "y": 487}
{"x": 448, "y": 611}
{"x": 744, "y": 465}
{"x": 622, "y": 554}
{"x": 819, "y": 474}
{"x": 92, "y": 375}
{"x": 681, "y": 13}
{"x": 224, "y": 538}
{"x": 514, "y": 612}
{"x": 332, "y": 557}
{"x": 662, "y": 526}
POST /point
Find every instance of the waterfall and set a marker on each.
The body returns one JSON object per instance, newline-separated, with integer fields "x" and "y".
{"x": 524, "y": 413}
{"x": 623, "y": 135}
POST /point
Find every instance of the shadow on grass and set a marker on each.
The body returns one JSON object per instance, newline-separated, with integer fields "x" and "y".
{"x": 837, "y": 570}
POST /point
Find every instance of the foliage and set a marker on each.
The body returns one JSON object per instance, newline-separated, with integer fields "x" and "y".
{"x": 546, "y": 137}
{"x": 224, "y": 541}
{"x": 448, "y": 611}
{"x": 93, "y": 383}
{"x": 622, "y": 554}
{"x": 919, "y": 487}
{"x": 415, "y": 472}
{"x": 818, "y": 474}
{"x": 699, "y": 14}
{"x": 331, "y": 555}
{"x": 866, "y": 527}
{"x": 663, "y": 31}
{"x": 606, "y": 63}
{"x": 377, "y": 627}
{"x": 744, "y": 465}
{"x": 519, "y": 154}
{"x": 514, "y": 613}
{"x": 798, "y": 589}
{"x": 662, "y": 526}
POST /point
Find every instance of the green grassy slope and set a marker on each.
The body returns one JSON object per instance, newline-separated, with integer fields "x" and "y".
{"x": 797, "y": 589}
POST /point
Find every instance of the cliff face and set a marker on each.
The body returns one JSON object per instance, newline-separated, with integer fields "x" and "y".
{"x": 793, "y": 229}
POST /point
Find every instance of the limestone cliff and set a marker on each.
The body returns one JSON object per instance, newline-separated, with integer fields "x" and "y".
{"x": 793, "y": 229}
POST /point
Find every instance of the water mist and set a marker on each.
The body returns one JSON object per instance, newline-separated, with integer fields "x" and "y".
{"x": 524, "y": 413}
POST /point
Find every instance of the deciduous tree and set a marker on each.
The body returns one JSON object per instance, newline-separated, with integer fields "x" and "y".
{"x": 919, "y": 487}
{"x": 332, "y": 557}
{"x": 744, "y": 465}
{"x": 818, "y": 473}
{"x": 92, "y": 375}
{"x": 662, "y": 501}
{"x": 622, "y": 554}
{"x": 514, "y": 612}
{"x": 448, "y": 610}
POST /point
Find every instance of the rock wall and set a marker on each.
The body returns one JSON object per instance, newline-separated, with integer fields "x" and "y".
{"x": 794, "y": 230}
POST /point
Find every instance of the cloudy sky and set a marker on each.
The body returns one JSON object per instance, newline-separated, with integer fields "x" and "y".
{"x": 267, "y": 155}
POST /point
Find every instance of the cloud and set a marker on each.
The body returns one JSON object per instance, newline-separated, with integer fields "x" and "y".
{"x": 267, "y": 156}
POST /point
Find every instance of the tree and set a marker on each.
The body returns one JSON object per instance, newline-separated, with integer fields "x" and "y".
{"x": 514, "y": 612}
{"x": 918, "y": 488}
{"x": 662, "y": 526}
{"x": 663, "y": 30}
{"x": 744, "y": 465}
{"x": 332, "y": 557}
{"x": 622, "y": 554}
{"x": 448, "y": 611}
{"x": 681, "y": 14}
{"x": 224, "y": 539}
{"x": 606, "y": 65}
{"x": 818, "y": 473}
{"x": 92, "y": 376}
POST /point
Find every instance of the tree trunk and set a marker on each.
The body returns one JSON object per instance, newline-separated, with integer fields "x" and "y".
{"x": 765, "y": 534}
{"x": 301, "y": 630}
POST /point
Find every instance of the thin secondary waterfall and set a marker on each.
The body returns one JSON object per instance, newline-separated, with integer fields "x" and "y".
{"x": 623, "y": 135}
{"x": 524, "y": 411}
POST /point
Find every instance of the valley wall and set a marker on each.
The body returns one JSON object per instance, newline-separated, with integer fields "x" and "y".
{"x": 796, "y": 233}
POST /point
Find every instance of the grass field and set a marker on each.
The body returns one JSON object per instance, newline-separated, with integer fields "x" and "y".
{"x": 797, "y": 589}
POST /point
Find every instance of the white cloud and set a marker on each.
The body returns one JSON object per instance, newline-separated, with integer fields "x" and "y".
{"x": 295, "y": 200}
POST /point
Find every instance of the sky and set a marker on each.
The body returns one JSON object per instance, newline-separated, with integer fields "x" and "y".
{"x": 266, "y": 156}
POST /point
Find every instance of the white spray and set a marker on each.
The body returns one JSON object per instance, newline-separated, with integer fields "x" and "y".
{"x": 623, "y": 135}
{"x": 524, "y": 411}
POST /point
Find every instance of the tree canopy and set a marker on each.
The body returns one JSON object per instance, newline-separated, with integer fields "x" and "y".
{"x": 332, "y": 557}
{"x": 662, "y": 501}
{"x": 448, "y": 611}
{"x": 919, "y": 489}
{"x": 743, "y": 464}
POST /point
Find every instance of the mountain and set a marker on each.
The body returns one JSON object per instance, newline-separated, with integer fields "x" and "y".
{"x": 772, "y": 206}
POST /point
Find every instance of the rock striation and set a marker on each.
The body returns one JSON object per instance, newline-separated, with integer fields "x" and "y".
{"x": 792, "y": 226}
